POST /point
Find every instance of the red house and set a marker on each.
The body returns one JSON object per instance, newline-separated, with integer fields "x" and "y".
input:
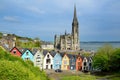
{"x": 15, "y": 51}
{"x": 79, "y": 62}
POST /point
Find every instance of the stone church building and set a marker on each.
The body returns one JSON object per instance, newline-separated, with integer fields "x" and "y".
{"x": 69, "y": 41}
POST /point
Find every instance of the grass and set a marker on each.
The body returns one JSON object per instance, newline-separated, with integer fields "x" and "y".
{"x": 80, "y": 77}
{"x": 83, "y": 76}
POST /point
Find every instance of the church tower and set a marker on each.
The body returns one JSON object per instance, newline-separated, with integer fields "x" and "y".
{"x": 69, "y": 41}
{"x": 75, "y": 31}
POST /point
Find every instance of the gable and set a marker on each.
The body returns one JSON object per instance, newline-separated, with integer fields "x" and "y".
{"x": 15, "y": 51}
{"x": 79, "y": 59}
{"x": 38, "y": 53}
{"x": 57, "y": 55}
{"x": 65, "y": 57}
{"x": 85, "y": 59}
{"x": 48, "y": 55}
{"x": 27, "y": 53}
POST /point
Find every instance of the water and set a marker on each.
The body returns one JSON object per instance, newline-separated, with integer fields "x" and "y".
{"x": 96, "y": 45}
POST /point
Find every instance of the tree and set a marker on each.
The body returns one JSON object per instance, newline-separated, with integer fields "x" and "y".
{"x": 115, "y": 60}
{"x": 37, "y": 42}
{"x": 103, "y": 57}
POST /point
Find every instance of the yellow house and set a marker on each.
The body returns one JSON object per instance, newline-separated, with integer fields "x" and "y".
{"x": 65, "y": 62}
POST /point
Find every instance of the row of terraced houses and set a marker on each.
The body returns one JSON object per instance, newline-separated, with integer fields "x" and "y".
{"x": 54, "y": 60}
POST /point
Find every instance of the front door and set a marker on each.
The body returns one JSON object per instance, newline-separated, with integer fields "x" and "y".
{"x": 46, "y": 66}
{"x": 51, "y": 66}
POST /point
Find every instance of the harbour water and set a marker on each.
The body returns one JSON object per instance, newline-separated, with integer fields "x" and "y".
{"x": 96, "y": 45}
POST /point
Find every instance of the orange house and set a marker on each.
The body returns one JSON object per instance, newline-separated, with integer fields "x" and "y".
{"x": 79, "y": 62}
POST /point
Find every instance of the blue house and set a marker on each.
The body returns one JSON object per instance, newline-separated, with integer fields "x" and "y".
{"x": 72, "y": 61}
{"x": 27, "y": 55}
{"x": 57, "y": 61}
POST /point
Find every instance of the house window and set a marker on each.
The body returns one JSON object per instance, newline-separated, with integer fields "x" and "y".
{"x": 89, "y": 64}
{"x": 14, "y": 52}
{"x": 37, "y": 61}
{"x": 26, "y": 53}
{"x": 47, "y": 56}
{"x": 38, "y": 58}
{"x": 57, "y": 62}
{"x": 65, "y": 62}
{"x": 84, "y": 63}
{"x": 72, "y": 63}
{"x": 84, "y": 68}
{"x": 27, "y": 58}
{"x": 47, "y": 60}
{"x": 78, "y": 63}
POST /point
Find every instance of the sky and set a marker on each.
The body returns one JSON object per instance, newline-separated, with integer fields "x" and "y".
{"x": 99, "y": 20}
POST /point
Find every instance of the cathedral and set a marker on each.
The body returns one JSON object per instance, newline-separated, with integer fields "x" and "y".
{"x": 69, "y": 41}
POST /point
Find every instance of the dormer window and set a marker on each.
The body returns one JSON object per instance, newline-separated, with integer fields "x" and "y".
{"x": 14, "y": 51}
{"x": 47, "y": 56}
{"x": 26, "y": 53}
{"x": 85, "y": 64}
{"x": 89, "y": 64}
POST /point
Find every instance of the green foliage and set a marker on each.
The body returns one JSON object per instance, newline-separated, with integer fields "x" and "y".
{"x": 1, "y": 35}
{"x": 14, "y": 68}
{"x": 80, "y": 77}
{"x": 115, "y": 60}
{"x": 86, "y": 54}
{"x": 105, "y": 58}
{"x": 37, "y": 44}
{"x": 28, "y": 44}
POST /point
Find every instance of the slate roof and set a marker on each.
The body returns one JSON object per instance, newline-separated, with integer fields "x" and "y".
{"x": 45, "y": 52}
{"x": 71, "y": 56}
{"x": 25, "y": 49}
{"x": 62, "y": 54}
{"x": 34, "y": 51}
{"x": 52, "y": 53}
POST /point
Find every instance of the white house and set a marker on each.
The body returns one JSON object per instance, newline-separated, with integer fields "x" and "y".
{"x": 48, "y": 60}
{"x": 38, "y": 58}
{"x": 87, "y": 64}
{"x": 90, "y": 64}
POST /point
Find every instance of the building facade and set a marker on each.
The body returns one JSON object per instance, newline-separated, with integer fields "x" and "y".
{"x": 48, "y": 60}
{"x": 57, "y": 61}
{"x": 15, "y": 51}
{"x": 27, "y": 55}
{"x": 69, "y": 41}
{"x": 65, "y": 62}
{"x": 38, "y": 59}
{"x": 79, "y": 61}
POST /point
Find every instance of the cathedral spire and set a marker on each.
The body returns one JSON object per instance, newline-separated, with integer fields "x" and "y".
{"x": 75, "y": 15}
{"x": 65, "y": 32}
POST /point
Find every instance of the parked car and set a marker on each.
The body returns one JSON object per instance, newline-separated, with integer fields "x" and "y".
{"x": 58, "y": 70}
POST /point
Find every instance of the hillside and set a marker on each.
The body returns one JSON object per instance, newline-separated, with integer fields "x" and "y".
{"x": 14, "y": 68}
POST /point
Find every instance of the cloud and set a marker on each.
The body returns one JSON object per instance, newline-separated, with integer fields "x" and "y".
{"x": 34, "y": 9}
{"x": 11, "y": 18}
